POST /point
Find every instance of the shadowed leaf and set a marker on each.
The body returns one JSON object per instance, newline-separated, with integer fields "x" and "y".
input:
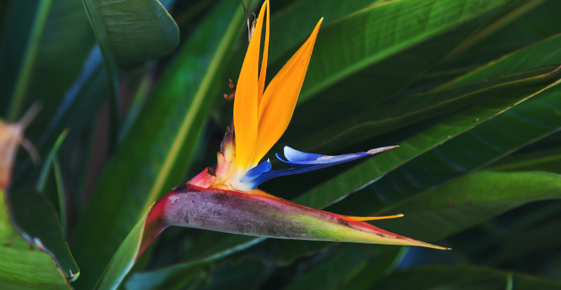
{"x": 157, "y": 150}
{"x": 130, "y": 32}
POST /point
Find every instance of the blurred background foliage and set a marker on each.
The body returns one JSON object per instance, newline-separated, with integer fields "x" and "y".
{"x": 132, "y": 104}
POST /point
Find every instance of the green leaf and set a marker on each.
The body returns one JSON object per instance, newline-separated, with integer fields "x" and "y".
{"x": 543, "y": 160}
{"x": 430, "y": 139}
{"x": 379, "y": 51}
{"x": 437, "y": 135}
{"x": 43, "y": 47}
{"x": 534, "y": 26}
{"x": 492, "y": 28}
{"x": 245, "y": 275}
{"x": 45, "y": 67}
{"x": 129, "y": 33}
{"x": 26, "y": 264}
{"x": 211, "y": 247}
{"x": 26, "y": 58}
{"x": 409, "y": 22}
{"x": 530, "y": 231}
{"x": 346, "y": 269}
{"x": 518, "y": 61}
{"x": 536, "y": 119}
{"x": 517, "y": 127}
{"x": 124, "y": 258}
{"x": 284, "y": 252}
{"x": 510, "y": 72}
{"x": 52, "y": 160}
{"x": 23, "y": 266}
{"x": 61, "y": 197}
{"x": 417, "y": 108}
{"x": 463, "y": 277}
{"x": 35, "y": 216}
{"x": 157, "y": 151}
{"x": 520, "y": 235}
{"x": 471, "y": 200}
{"x": 81, "y": 100}
{"x": 178, "y": 282}
{"x": 48, "y": 162}
{"x": 132, "y": 31}
{"x": 382, "y": 266}
{"x": 294, "y": 23}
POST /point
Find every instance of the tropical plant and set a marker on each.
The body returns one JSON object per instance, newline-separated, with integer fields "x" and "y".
{"x": 119, "y": 101}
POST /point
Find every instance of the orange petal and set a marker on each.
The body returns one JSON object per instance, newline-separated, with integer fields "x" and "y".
{"x": 373, "y": 218}
{"x": 279, "y": 100}
{"x": 245, "y": 103}
{"x": 263, "y": 72}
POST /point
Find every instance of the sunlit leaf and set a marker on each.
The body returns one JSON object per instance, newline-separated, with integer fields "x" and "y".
{"x": 35, "y": 216}
{"x": 27, "y": 264}
{"x": 471, "y": 200}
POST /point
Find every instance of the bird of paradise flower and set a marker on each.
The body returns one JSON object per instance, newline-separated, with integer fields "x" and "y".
{"x": 228, "y": 200}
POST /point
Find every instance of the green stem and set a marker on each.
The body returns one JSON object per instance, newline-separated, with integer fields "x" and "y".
{"x": 45, "y": 170}
{"x": 509, "y": 281}
{"x": 61, "y": 197}
{"x": 22, "y": 84}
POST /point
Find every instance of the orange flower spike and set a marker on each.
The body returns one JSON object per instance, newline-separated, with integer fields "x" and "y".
{"x": 263, "y": 73}
{"x": 280, "y": 98}
{"x": 245, "y": 105}
{"x": 275, "y": 105}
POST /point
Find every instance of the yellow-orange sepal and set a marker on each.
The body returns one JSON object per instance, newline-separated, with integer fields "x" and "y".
{"x": 246, "y": 102}
{"x": 262, "y": 115}
{"x": 280, "y": 97}
{"x": 373, "y": 218}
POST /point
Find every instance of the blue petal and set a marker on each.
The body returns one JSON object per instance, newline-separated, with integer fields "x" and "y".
{"x": 256, "y": 171}
{"x": 294, "y": 155}
{"x": 301, "y": 162}
{"x": 299, "y": 159}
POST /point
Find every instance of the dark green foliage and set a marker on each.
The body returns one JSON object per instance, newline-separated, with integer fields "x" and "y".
{"x": 466, "y": 88}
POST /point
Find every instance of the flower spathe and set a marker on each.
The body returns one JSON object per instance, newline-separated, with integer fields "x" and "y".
{"x": 261, "y": 115}
{"x": 227, "y": 199}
